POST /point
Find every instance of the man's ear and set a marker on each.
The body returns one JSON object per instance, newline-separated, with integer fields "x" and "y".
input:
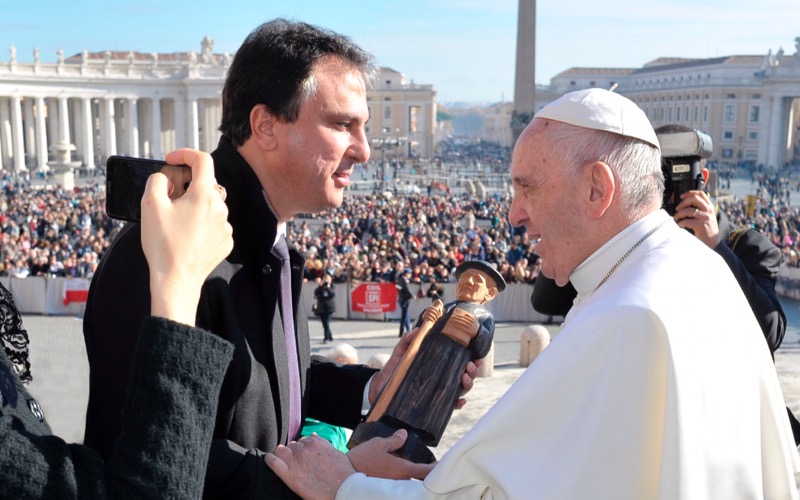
{"x": 602, "y": 189}
{"x": 262, "y": 125}
{"x": 704, "y": 171}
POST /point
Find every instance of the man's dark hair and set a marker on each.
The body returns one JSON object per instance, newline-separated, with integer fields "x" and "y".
{"x": 274, "y": 67}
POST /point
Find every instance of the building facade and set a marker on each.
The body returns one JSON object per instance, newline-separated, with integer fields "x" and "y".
{"x": 94, "y": 105}
{"x": 748, "y": 105}
{"x": 402, "y": 116}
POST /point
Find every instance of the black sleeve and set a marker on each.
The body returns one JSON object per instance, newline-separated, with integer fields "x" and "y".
{"x": 119, "y": 297}
{"x": 237, "y": 472}
{"x": 118, "y": 301}
{"x": 551, "y": 299}
{"x": 337, "y": 391}
{"x": 169, "y": 415}
{"x": 755, "y": 262}
{"x": 166, "y": 429}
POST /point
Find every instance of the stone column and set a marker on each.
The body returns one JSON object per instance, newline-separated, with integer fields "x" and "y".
{"x": 41, "y": 135}
{"x": 211, "y": 120}
{"x": 778, "y": 128}
{"x": 524, "y": 75}
{"x": 179, "y": 119}
{"x": 169, "y": 124}
{"x": 87, "y": 125}
{"x": 155, "y": 129}
{"x": 193, "y": 124}
{"x": 52, "y": 119}
{"x": 5, "y": 136}
{"x": 63, "y": 126}
{"x": 76, "y": 127}
{"x": 30, "y": 128}
{"x": 109, "y": 127}
{"x": 133, "y": 127}
{"x": 17, "y": 135}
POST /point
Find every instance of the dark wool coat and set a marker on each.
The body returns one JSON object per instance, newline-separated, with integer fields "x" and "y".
{"x": 176, "y": 373}
{"x": 239, "y": 302}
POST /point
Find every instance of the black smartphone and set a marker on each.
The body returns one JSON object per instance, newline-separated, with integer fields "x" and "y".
{"x": 126, "y": 178}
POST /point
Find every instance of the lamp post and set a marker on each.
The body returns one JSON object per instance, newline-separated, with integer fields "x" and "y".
{"x": 386, "y": 141}
{"x": 380, "y": 144}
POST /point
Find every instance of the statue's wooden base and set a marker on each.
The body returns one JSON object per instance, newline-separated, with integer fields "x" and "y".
{"x": 413, "y": 449}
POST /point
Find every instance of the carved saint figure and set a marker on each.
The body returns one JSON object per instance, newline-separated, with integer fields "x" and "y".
{"x": 424, "y": 388}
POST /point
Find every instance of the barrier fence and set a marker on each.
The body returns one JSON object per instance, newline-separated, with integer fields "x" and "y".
{"x": 789, "y": 282}
{"x": 65, "y": 296}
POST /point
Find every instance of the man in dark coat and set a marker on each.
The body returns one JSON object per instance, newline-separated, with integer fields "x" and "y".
{"x": 404, "y": 297}
{"x": 324, "y": 305}
{"x": 294, "y": 112}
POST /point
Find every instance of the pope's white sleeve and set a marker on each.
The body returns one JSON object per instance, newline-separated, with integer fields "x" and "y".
{"x": 360, "y": 486}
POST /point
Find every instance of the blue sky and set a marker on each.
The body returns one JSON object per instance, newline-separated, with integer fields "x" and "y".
{"x": 465, "y": 48}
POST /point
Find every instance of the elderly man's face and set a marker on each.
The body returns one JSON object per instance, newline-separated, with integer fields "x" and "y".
{"x": 318, "y": 150}
{"x": 475, "y": 286}
{"x": 544, "y": 202}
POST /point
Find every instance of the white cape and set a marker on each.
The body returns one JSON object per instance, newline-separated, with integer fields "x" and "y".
{"x": 659, "y": 385}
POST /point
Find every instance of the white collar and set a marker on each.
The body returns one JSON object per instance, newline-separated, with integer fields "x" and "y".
{"x": 281, "y": 232}
{"x": 281, "y": 227}
{"x": 591, "y": 272}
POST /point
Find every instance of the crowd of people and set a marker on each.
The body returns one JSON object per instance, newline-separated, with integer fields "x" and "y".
{"x": 374, "y": 238}
{"x": 49, "y": 231}
{"x": 633, "y": 399}
{"x": 771, "y": 213}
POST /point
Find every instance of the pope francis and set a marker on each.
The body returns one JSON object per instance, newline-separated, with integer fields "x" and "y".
{"x": 659, "y": 385}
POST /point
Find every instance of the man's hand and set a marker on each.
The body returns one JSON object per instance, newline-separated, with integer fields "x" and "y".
{"x": 696, "y": 212}
{"x": 467, "y": 379}
{"x": 311, "y": 467}
{"x": 374, "y": 459}
{"x": 183, "y": 239}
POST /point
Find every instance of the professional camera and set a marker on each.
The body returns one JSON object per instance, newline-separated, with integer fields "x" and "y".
{"x": 682, "y": 149}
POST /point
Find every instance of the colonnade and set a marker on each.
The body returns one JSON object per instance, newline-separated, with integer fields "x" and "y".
{"x": 34, "y": 125}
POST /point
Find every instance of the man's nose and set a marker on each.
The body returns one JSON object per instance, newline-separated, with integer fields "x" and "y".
{"x": 515, "y": 212}
{"x": 359, "y": 149}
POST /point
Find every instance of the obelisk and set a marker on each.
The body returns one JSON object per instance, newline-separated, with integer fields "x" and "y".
{"x": 524, "y": 76}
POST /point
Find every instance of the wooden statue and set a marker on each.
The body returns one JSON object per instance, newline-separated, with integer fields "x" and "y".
{"x": 422, "y": 392}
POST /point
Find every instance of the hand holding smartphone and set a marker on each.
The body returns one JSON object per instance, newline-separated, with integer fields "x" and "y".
{"x": 126, "y": 178}
{"x": 183, "y": 239}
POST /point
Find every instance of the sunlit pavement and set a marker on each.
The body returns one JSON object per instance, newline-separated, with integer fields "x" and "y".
{"x": 61, "y": 372}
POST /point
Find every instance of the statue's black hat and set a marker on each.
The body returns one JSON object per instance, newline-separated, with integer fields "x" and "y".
{"x": 484, "y": 267}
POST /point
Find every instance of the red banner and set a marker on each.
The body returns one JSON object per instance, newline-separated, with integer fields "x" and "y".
{"x": 76, "y": 290}
{"x": 374, "y": 298}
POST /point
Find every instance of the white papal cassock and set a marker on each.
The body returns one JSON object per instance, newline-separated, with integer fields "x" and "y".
{"x": 659, "y": 385}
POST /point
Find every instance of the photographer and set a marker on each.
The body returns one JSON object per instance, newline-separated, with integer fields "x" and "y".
{"x": 324, "y": 306}
{"x": 168, "y": 422}
{"x": 751, "y": 257}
